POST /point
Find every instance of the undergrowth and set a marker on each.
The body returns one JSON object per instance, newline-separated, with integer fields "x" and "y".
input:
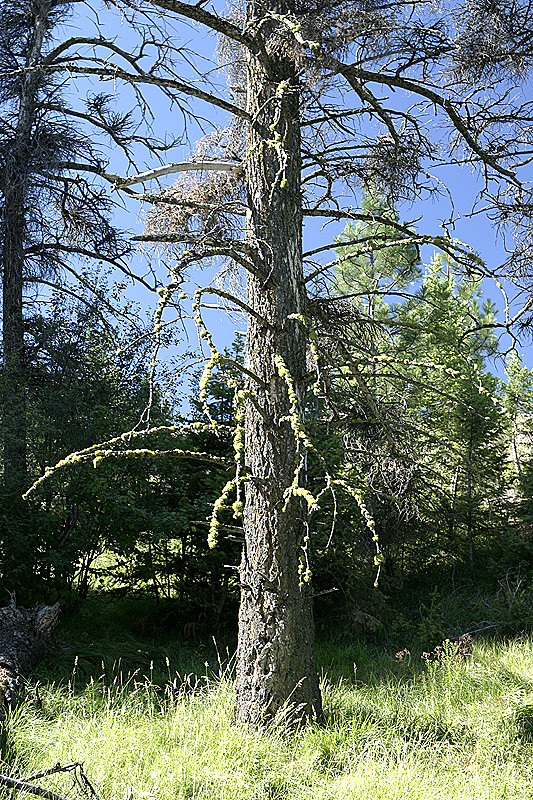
{"x": 154, "y": 721}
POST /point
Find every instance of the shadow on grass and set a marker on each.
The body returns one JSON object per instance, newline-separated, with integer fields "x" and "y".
{"x": 102, "y": 639}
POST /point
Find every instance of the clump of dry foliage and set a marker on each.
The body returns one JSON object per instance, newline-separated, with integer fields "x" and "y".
{"x": 201, "y": 201}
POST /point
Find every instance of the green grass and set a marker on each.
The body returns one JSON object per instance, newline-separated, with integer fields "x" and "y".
{"x": 153, "y": 725}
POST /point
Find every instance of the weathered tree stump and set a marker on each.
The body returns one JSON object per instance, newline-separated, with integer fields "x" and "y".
{"x": 25, "y": 637}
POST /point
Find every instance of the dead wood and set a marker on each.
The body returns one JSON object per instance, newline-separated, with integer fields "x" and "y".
{"x": 79, "y": 782}
{"x": 25, "y": 637}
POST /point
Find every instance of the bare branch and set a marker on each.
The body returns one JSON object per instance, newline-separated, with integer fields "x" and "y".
{"x": 354, "y": 75}
{"x": 116, "y": 73}
{"x": 23, "y": 786}
{"x": 184, "y": 166}
{"x": 212, "y": 21}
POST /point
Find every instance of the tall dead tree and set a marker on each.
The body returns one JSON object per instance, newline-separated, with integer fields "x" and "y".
{"x": 16, "y": 172}
{"x": 337, "y": 96}
{"x": 276, "y": 660}
{"x": 45, "y": 211}
{"x": 325, "y": 98}
{"x": 56, "y": 226}
{"x": 55, "y": 145}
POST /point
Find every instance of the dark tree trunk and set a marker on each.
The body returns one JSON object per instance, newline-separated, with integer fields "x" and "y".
{"x": 25, "y": 637}
{"x": 14, "y": 383}
{"x": 469, "y": 520}
{"x": 14, "y": 185}
{"x": 276, "y": 665}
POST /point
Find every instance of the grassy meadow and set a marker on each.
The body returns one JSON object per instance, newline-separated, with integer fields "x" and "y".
{"x": 154, "y": 722}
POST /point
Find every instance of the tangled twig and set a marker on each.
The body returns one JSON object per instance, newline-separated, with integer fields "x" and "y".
{"x": 80, "y": 781}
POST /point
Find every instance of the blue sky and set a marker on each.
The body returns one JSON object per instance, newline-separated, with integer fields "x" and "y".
{"x": 475, "y": 231}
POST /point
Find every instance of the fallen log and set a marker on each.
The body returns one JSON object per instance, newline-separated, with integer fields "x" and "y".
{"x": 25, "y": 637}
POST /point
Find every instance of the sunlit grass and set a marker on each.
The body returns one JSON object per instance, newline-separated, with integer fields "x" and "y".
{"x": 457, "y": 729}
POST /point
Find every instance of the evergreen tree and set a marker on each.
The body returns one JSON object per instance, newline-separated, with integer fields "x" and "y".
{"x": 446, "y": 337}
{"x": 517, "y": 400}
{"x": 423, "y": 433}
{"x": 373, "y": 262}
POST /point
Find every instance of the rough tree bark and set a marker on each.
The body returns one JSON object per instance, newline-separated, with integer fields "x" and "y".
{"x": 25, "y": 637}
{"x": 14, "y": 390}
{"x": 276, "y": 664}
{"x": 14, "y": 185}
